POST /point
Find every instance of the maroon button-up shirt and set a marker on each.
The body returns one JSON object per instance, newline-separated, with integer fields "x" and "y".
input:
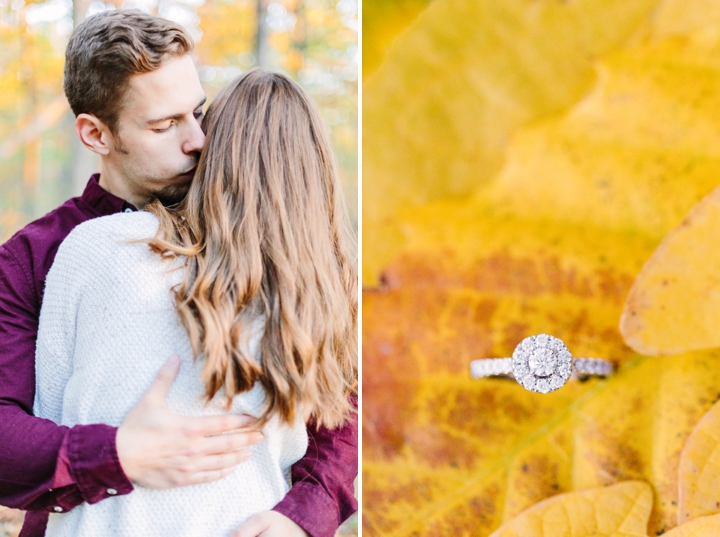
{"x": 46, "y": 467}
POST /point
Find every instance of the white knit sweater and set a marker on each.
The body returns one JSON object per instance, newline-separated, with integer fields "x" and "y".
{"x": 107, "y": 326}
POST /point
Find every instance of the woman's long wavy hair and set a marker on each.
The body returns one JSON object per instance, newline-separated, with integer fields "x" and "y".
{"x": 264, "y": 233}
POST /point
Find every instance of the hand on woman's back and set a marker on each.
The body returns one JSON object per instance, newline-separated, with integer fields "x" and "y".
{"x": 269, "y": 524}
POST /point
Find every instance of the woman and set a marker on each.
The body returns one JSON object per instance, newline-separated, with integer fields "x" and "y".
{"x": 248, "y": 280}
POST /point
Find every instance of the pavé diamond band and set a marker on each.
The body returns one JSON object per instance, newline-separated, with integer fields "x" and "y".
{"x": 540, "y": 364}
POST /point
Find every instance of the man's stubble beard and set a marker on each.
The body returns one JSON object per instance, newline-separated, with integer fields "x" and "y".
{"x": 169, "y": 194}
{"x": 172, "y": 194}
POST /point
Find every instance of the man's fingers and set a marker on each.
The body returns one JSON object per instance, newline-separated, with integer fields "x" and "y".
{"x": 207, "y": 477}
{"x": 252, "y": 527}
{"x": 225, "y": 461}
{"x": 157, "y": 391}
{"x": 212, "y": 467}
{"x": 209, "y": 425}
{"x": 226, "y": 443}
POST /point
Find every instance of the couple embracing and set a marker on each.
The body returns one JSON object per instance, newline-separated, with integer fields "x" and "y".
{"x": 178, "y": 346}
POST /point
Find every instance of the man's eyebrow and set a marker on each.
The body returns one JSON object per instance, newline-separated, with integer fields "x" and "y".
{"x": 176, "y": 116}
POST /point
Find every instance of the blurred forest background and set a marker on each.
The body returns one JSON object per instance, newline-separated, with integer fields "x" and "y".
{"x": 42, "y": 163}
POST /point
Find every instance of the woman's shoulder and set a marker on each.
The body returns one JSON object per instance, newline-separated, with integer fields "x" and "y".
{"x": 135, "y": 225}
{"x": 103, "y": 237}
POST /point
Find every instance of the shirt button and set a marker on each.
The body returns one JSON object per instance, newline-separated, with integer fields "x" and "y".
{"x": 128, "y": 210}
{"x": 57, "y": 509}
{"x": 112, "y": 492}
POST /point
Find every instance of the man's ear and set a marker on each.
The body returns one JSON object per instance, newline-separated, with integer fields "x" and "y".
{"x": 93, "y": 133}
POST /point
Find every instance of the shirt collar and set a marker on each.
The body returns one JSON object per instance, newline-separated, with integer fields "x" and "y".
{"x": 100, "y": 201}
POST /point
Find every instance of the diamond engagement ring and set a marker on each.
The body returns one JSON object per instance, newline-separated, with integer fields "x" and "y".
{"x": 540, "y": 364}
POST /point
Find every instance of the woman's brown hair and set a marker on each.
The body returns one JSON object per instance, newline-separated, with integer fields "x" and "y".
{"x": 264, "y": 232}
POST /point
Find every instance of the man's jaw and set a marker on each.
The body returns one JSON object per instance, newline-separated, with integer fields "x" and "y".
{"x": 177, "y": 190}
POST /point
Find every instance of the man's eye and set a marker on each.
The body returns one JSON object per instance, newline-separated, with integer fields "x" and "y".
{"x": 164, "y": 129}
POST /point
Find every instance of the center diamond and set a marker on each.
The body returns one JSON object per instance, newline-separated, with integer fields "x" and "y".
{"x": 543, "y": 362}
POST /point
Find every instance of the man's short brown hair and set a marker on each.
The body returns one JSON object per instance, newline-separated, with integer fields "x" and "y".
{"x": 107, "y": 49}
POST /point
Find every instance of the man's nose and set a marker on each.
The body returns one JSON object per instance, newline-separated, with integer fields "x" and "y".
{"x": 195, "y": 140}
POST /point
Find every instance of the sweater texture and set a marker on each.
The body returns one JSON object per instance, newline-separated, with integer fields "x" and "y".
{"x": 107, "y": 325}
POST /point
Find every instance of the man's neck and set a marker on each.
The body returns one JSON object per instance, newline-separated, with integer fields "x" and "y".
{"x": 117, "y": 186}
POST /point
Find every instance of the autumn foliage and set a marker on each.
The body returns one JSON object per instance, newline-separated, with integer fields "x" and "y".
{"x": 522, "y": 162}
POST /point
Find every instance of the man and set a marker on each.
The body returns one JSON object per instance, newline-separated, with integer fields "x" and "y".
{"x": 138, "y": 103}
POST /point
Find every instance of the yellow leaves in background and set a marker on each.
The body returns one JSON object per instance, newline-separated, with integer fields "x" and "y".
{"x": 621, "y": 510}
{"x": 228, "y": 31}
{"x": 674, "y": 305}
{"x": 522, "y": 161}
{"x": 630, "y": 156}
{"x": 439, "y": 111}
{"x": 382, "y": 22}
{"x": 446, "y": 455}
{"x": 700, "y": 470}
{"x": 30, "y": 69}
{"x": 708, "y": 526}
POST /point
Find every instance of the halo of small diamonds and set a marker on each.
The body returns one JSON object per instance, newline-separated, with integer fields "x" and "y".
{"x": 542, "y": 363}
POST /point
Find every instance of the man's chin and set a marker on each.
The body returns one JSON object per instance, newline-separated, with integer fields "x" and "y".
{"x": 172, "y": 194}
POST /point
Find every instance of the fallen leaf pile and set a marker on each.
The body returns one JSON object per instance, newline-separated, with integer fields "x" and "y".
{"x": 617, "y": 510}
{"x": 522, "y": 162}
{"x": 623, "y": 510}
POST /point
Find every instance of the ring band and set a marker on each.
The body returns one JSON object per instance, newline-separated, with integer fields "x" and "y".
{"x": 540, "y": 364}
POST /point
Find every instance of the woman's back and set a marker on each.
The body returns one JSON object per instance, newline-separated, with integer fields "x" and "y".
{"x": 107, "y": 326}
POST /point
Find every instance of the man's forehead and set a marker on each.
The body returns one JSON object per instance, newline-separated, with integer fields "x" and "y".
{"x": 174, "y": 88}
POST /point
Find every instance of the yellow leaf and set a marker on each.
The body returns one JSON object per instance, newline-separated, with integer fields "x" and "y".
{"x": 700, "y": 470}
{"x": 674, "y": 304}
{"x": 632, "y": 156}
{"x": 682, "y": 17}
{"x": 620, "y": 510}
{"x": 383, "y": 20}
{"x": 708, "y": 526}
{"x": 438, "y": 113}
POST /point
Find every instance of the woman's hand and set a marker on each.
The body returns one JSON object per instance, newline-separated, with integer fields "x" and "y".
{"x": 269, "y": 524}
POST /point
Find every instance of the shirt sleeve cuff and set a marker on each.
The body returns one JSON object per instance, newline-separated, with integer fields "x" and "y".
{"x": 311, "y": 508}
{"x": 95, "y": 464}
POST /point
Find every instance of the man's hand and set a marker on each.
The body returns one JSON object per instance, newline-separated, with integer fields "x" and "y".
{"x": 269, "y": 524}
{"x": 161, "y": 449}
